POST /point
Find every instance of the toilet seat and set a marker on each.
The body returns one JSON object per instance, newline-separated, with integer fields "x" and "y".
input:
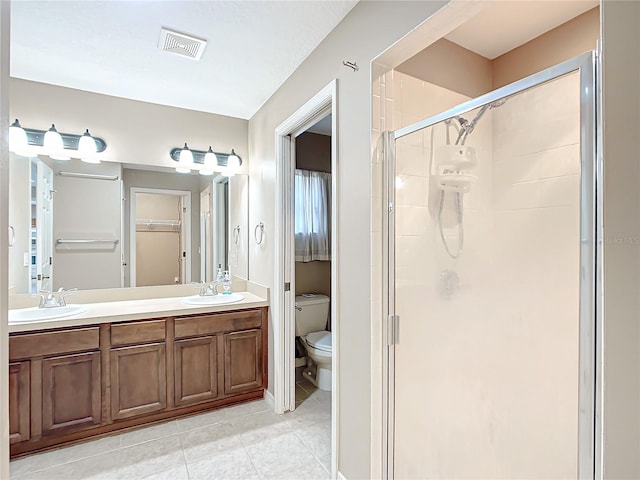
{"x": 320, "y": 341}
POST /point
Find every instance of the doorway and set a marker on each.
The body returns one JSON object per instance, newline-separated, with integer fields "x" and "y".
{"x": 319, "y": 107}
{"x": 491, "y": 254}
{"x": 160, "y": 231}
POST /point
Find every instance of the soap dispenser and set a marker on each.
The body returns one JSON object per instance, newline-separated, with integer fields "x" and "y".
{"x": 220, "y": 275}
{"x": 226, "y": 284}
{"x": 219, "y": 279}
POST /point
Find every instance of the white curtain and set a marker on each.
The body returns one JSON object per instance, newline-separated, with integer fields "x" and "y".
{"x": 313, "y": 216}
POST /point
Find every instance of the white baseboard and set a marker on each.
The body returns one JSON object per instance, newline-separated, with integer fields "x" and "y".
{"x": 341, "y": 476}
{"x": 268, "y": 397}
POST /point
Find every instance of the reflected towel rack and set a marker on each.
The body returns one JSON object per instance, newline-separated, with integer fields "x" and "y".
{"x": 60, "y": 241}
{"x": 93, "y": 176}
{"x": 158, "y": 223}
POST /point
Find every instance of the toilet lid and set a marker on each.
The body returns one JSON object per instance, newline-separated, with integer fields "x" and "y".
{"x": 320, "y": 340}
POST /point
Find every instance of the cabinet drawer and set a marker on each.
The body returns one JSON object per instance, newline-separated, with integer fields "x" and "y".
{"x": 53, "y": 343}
{"x": 137, "y": 332}
{"x": 216, "y": 323}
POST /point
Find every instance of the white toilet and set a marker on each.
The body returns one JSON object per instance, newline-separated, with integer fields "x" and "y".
{"x": 312, "y": 314}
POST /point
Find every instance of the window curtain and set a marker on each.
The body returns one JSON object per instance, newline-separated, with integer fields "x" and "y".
{"x": 313, "y": 216}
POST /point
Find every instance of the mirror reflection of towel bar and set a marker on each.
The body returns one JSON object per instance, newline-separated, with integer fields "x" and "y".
{"x": 60, "y": 241}
{"x": 93, "y": 176}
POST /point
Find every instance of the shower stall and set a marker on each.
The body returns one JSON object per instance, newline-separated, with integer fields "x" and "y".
{"x": 491, "y": 261}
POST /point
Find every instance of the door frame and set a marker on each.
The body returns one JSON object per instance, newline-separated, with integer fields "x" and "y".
{"x": 185, "y": 230}
{"x": 589, "y": 406}
{"x": 283, "y": 313}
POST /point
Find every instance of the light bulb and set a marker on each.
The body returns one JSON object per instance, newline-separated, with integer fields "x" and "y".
{"x": 87, "y": 145}
{"x": 210, "y": 162}
{"x": 185, "y": 160}
{"x": 233, "y": 164}
{"x": 233, "y": 161}
{"x": 53, "y": 140}
{"x": 186, "y": 157}
{"x": 17, "y": 138}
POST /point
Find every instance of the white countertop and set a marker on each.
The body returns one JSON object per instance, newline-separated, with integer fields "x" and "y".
{"x": 117, "y": 311}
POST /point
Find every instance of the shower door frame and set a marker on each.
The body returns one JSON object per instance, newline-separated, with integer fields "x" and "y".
{"x": 590, "y": 253}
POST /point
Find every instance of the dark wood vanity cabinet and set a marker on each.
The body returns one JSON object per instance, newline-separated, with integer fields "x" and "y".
{"x": 69, "y": 384}
{"x": 71, "y": 392}
{"x": 138, "y": 380}
{"x": 196, "y": 370}
{"x": 19, "y": 398}
{"x": 242, "y": 365}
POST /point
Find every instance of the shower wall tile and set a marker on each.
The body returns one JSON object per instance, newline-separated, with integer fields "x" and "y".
{"x": 560, "y": 191}
{"x": 411, "y": 220}
{"x": 376, "y": 114}
{"x": 411, "y": 190}
{"x": 516, "y": 196}
{"x": 558, "y": 162}
{"x": 411, "y": 159}
{"x": 376, "y": 249}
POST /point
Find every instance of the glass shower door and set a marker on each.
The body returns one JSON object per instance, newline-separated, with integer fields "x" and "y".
{"x": 492, "y": 277}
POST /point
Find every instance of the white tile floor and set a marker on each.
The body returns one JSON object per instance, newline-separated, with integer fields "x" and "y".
{"x": 248, "y": 441}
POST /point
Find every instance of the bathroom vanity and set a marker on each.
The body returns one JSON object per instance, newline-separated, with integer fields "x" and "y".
{"x": 104, "y": 371}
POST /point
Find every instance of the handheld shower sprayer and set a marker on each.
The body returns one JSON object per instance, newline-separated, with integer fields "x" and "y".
{"x": 453, "y": 166}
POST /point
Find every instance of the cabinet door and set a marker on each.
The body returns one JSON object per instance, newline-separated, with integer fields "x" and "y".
{"x": 138, "y": 380}
{"x": 70, "y": 392}
{"x": 19, "y": 401}
{"x": 242, "y": 361}
{"x": 196, "y": 370}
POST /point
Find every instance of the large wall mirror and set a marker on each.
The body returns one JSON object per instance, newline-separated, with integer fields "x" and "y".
{"x": 108, "y": 225}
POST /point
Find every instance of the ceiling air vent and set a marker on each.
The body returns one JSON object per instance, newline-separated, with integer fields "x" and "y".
{"x": 181, "y": 44}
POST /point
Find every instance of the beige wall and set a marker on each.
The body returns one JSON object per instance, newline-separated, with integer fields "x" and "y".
{"x": 569, "y": 40}
{"x": 86, "y": 208}
{"x": 470, "y": 74}
{"x": 313, "y": 277}
{"x": 135, "y": 132}
{"x": 313, "y": 152}
{"x": 365, "y": 32}
{"x": 621, "y": 328}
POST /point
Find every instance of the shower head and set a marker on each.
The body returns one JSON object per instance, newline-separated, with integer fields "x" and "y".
{"x": 467, "y": 127}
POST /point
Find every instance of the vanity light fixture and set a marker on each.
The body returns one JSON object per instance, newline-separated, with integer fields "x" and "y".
{"x": 233, "y": 164}
{"x": 87, "y": 148}
{"x": 17, "y": 137}
{"x": 28, "y": 142}
{"x": 210, "y": 162}
{"x": 53, "y": 144}
{"x": 207, "y": 162}
{"x": 185, "y": 160}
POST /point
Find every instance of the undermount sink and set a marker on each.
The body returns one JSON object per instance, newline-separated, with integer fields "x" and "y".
{"x": 36, "y": 314}
{"x": 219, "y": 299}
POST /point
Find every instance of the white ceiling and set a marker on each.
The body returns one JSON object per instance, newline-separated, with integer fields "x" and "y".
{"x": 504, "y": 25}
{"x": 110, "y": 47}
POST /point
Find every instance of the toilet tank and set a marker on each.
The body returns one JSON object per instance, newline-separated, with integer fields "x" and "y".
{"x": 312, "y": 313}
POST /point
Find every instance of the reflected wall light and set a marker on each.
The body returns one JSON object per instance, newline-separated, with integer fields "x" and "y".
{"x": 207, "y": 162}
{"x": 28, "y": 142}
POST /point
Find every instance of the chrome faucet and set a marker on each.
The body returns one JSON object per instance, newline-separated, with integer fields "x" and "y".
{"x": 207, "y": 288}
{"x": 54, "y": 299}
